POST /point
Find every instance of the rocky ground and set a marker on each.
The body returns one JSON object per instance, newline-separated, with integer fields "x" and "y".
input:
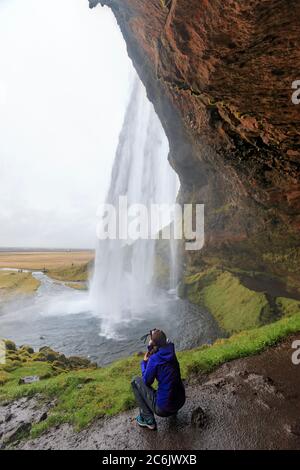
{"x": 250, "y": 403}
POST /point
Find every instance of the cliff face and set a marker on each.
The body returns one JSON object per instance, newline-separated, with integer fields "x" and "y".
{"x": 220, "y": 75}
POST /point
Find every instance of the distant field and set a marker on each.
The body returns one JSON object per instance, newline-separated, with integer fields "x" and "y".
{"x": 44, "y": 260}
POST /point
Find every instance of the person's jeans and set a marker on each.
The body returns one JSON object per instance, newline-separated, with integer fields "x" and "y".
{"x": 146, "y": 399}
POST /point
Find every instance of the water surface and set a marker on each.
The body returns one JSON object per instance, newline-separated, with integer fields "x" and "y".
{"x": 61, "y": 317}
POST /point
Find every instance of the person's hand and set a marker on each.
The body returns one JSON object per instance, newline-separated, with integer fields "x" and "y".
{"x": 146, "y": 357}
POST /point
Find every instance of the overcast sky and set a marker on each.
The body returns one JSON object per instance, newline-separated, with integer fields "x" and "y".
{"x": 64, "y": 81}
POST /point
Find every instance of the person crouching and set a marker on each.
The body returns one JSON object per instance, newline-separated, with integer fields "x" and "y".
{"x": 160, "y": 363}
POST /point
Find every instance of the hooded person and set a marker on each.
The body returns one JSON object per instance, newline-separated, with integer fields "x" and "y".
{"x": 160, "y": 363}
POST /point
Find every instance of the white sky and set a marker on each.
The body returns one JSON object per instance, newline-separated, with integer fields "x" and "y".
{"x": 64, "y": 81}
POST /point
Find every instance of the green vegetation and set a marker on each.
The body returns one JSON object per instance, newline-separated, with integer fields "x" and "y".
{"x": 16, "y": 283}
{"x": 85, "y": 394}
{"x": 243, "y": 344}
{"x": 235, "y": 307}
{"x": 75, "y": 272}
{"x": 287, "y": 306}
{"x": 83, "y": 391}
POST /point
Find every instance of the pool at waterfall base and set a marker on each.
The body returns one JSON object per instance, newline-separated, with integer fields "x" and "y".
{"x": 61, "y": 318}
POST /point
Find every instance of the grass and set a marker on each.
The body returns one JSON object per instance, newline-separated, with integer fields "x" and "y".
{"x": 15, "y": 283}
{"x": 87, "y": 394}
{"x": 288, "y": 306}
{"x": 75, "y": 273}
{"x": 82, "y": 395}
{"x": 234, "y": 306}
{"x": 243, "y": 344}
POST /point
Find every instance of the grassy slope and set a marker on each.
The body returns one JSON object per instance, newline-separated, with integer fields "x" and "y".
{"x": 234, "y": 306}
{"x": 13, "y": 283}
{"x": 74, "y": 272}
{"x": 288, "y": 306}
{"x": 86, "y": 394}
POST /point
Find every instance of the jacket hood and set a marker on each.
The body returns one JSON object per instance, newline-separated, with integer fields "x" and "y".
{"x": 167, "y": 353}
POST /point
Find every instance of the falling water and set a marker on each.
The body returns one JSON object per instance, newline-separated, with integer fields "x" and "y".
{"x": 122, "y": 286}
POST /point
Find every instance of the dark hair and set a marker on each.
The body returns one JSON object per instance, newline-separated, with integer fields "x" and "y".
{"x": 159, "y": 338}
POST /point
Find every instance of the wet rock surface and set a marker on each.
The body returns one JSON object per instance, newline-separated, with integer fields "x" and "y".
{"x": 250, "y": 403}
{"x": 17, "y": 418}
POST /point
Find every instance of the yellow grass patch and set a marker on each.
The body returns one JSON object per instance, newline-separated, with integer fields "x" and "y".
{"x": 13, "y": 283}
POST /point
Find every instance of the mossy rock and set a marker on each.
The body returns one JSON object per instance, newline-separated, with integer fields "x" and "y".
{"x": 39, "y": 357}
{"x": 10, "y": 345}
{"x": 48, "y": 354}
{"x": 24, "y": 355}
{"x": 77, "y": 362}
{"x": 12, "y": 356}
{"x": 26, "y": 348}
{"x": 59, "y": 365}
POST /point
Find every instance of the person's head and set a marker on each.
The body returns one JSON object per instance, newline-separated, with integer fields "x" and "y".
{"x": 158, "y": 338}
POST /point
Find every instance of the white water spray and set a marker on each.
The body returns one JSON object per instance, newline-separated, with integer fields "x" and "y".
{"x": 122, "y": 284}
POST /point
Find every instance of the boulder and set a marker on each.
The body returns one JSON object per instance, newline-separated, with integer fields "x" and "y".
{"x": 10, "y": 345}
{"x": 29, "y": 379}
{"x": 26, "y": 348}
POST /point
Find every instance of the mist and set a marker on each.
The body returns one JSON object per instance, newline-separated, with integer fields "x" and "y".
{"x": 64, "y": 84}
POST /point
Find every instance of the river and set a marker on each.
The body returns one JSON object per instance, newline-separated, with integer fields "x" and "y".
{"x": 60, "y": 317}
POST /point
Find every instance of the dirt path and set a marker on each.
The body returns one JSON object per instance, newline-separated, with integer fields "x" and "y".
{"x": 251, "y": 403}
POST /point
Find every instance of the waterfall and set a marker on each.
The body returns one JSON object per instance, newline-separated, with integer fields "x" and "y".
{"x": 122, "y": 287}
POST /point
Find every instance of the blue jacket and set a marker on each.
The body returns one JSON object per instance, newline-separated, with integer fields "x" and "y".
{"x": 163, "y": 366}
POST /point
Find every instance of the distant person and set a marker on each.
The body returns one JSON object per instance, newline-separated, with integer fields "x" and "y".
{"x": 160, "y": 363}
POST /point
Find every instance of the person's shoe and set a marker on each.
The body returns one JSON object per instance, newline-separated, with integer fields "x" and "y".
{"x": 146, "y": 423}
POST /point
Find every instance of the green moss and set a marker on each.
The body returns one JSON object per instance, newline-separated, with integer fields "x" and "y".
{"x": 235, "y": 307}
{"x": 10, "y": 345}
{"x": 288, "y": 307}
